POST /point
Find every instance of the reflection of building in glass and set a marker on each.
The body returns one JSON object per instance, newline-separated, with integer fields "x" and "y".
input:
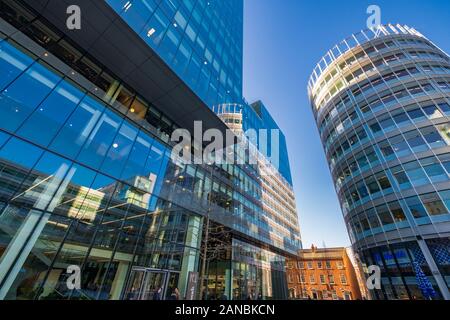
{"x": 381, "y": 103}
{"x": 86, "y": 174}
{"x": 137, "y": 190}
{"x": 277, "y": 195}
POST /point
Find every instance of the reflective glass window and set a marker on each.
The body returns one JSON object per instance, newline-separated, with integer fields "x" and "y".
{"x": 16, "y": 103}
{"x": 416, "y": 207}
{"x": 78, "y": 127}
{"x": 101, "y": 139}
{"x": 46, "y": 120}
{"x": 121, "y": 148}
{"x": 12, "y": 63}
{"x": 433, "y": 204}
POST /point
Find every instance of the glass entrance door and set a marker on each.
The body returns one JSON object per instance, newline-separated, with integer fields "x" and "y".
{"x": 146, "y": 284}
{"x": 154, "y": 286}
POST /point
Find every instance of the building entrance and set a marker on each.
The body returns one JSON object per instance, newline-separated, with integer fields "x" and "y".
{"x": 147, "y": 284}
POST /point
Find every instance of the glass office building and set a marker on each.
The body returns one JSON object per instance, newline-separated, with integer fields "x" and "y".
{"x": 277, "y": 192}
{"x": 246, "y": 117}
{"x": 87, "y": 177}
{"x": 201, "y": 40}
{"x": 381, "y": 100}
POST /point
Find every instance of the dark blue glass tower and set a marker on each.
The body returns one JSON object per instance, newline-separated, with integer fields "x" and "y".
{"x": 201, "y": 40}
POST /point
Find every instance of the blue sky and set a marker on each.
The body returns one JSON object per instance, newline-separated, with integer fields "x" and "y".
{"x": 283, "y": 41}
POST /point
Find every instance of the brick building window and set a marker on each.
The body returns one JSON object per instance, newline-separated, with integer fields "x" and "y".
{"x": 331, "y": 279}
{"x": 322, "y": 279}
{"x": 343, "y": 279}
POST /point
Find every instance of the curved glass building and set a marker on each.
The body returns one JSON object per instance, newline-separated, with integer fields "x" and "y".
{"x": 381, "y": 100}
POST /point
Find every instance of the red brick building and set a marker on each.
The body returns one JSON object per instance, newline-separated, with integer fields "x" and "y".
{"x": 322, "y": 274}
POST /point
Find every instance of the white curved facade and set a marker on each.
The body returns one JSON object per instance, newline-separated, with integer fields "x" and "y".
{"x": 381, "y": 101}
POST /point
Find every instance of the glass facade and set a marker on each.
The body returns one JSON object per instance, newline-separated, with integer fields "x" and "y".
{"x": 201, "y": 40}
{"x": 381, "y": 102}
{"x": 87, "y": 179}
{"x": 256, "y": 117}
{"x": 277, "y": 194}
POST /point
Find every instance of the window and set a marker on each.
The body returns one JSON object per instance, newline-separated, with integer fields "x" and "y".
{"x": 401, "y": 118}
{"x": 312, "y": 279}
{"x": 416, "y": 207}
{"x": 328, "y": 264}
{"x": 331, "y": 279}
{"x": 415, "y": 173}
{"x": 444, "y": 131}
{"x": 362, "y": 190}
{"x": 322, "y": 279}
{"x": 371, "y": 155}
{"x": 416, "y": 114}
{"x": 301, "y": 265}
{"x": 445, "y": 195}
{"x": 343, "y": 279}
{"x": 387, "y": 124}
{"x": 400, "y": 146}
{"x": 397, "y": 212}
{"x": 362, "y": 161}
{"x": 117, "y": 156}
{"x": 432, "y": 137}
{"x": 334, "y": 295}
{"x": 372, "y": 185}
{"x": 416, "y": 141}
{"x": 340, "y": 265}
{"x": 319, "y": 265}
{"x": 434, "y": 169}
{"x": 44, "y": 123}
{"x": 84, "y": 119}
{"x": 444, "y": 107}
{"x": 401, "y": 177}
{"x": 138, "y": 108}
{"x": 386, "y": 149}
{"x": 432, "y": 112}
{"x": 16, "y": 104}
{"x": 433, "y": 204}
{"x": 444, "y": 85}
{"x": 415, "y": 90}
{"x": 384, "y": 182}
{"x": 375, "y": 127}
{"x": 384, "y": 215}
{"x": 310, "y": 265}
{"x": 12, "y": 63}
{"x": 101, "y": 139}
{"x": 374, "y": 223}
